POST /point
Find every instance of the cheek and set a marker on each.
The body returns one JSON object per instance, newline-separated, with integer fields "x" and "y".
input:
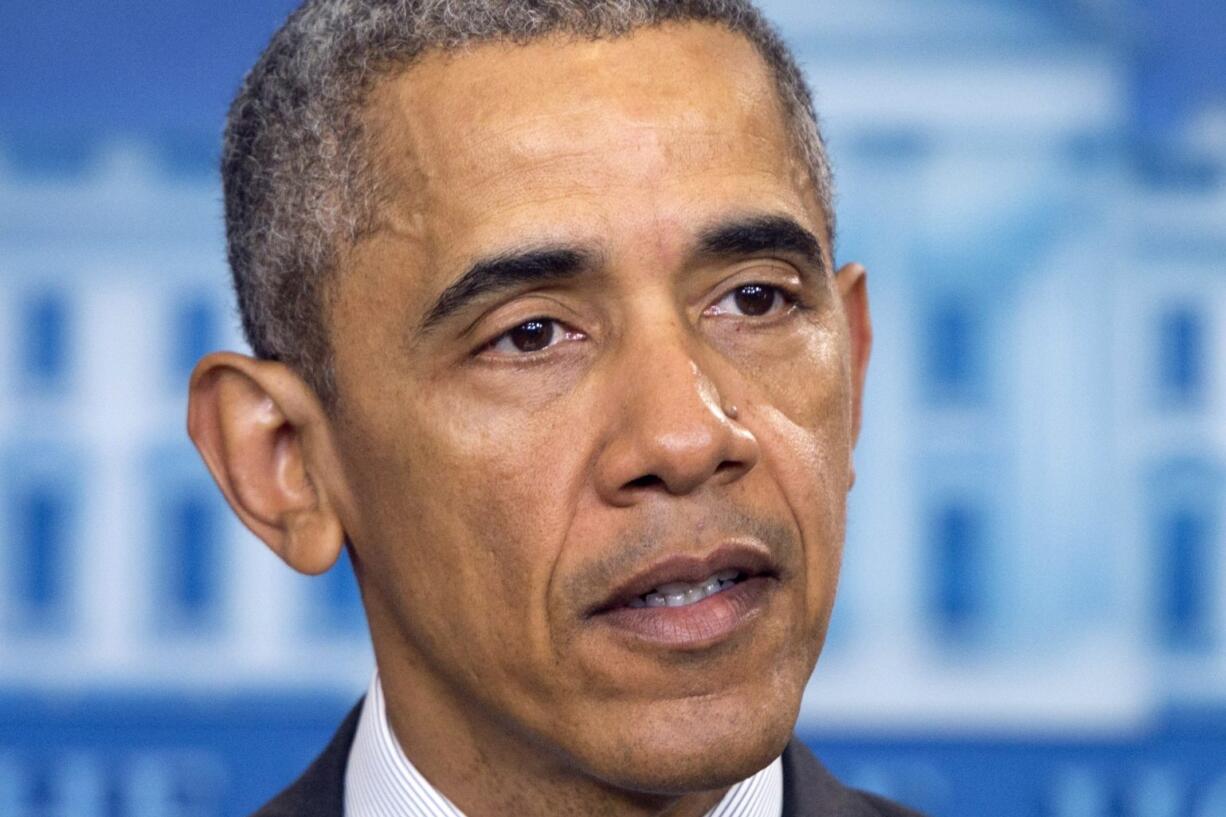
{"x": 462, "y": 521}
{"x": 805, "y": 401}
{"x": 805, "y": 433}
{"x": 811, "y": 468}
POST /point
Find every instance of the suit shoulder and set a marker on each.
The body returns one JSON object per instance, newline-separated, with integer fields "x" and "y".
{"x": 809, "y": 790}
{"x": 320, "y": 790}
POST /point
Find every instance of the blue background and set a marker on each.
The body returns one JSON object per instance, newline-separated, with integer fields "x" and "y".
{"x": 1031, "y": 619}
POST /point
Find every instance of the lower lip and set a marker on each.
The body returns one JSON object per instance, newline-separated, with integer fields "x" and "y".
{"x": 694, "y": 626}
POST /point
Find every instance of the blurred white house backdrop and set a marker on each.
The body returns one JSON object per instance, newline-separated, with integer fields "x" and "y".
{"x": 1032, "y": 618}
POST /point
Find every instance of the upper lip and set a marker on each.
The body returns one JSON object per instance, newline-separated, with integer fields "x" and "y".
{"x": 751, "y": 558}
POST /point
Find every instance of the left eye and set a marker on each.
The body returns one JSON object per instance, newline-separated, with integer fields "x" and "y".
{"x": 752, "y": 300}
{"x": 531, "y": 336}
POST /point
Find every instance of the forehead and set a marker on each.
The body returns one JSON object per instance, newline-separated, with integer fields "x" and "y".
{"x": 618, "y": 143}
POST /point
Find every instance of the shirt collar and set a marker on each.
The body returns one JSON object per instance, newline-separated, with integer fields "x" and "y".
{"x": 380, "y": 781}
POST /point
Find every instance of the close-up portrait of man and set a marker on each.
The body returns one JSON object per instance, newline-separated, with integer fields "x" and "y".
{"x": 550, "y": 336}
{"x": 463, "y": 408}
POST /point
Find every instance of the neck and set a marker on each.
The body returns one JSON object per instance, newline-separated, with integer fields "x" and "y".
{"x": 486, "y": 770}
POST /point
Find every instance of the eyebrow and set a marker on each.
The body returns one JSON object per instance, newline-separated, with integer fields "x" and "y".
{"x": 751, "y": 235}
{"x": 733, "y": 237}
{"x": 505, "y": 271}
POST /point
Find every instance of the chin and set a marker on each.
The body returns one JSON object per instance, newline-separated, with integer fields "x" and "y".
{"x": 688, "y": 746}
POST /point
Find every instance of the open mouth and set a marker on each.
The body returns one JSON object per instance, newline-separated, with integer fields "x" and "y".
{"x": 692, "y": 602}
{"x": 683, "y": 581}
{"x": 683, "y": 594}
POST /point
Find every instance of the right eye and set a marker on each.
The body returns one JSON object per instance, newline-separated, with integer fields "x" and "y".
{"x": 534, "y": 335}
{"x": 753, "y": 301}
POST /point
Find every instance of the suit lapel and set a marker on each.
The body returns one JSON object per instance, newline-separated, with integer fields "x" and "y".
{"x": 811, "y": 791}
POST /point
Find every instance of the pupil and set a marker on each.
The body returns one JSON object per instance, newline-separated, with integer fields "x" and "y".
{"x": 755, "y": 299}
{"x": 532, "y": 336}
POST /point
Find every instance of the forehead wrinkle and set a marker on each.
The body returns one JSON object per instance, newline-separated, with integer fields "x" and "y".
{"x": 494, "y": 122}
{"x": 413, "y": 112}
{"x": 549, "y": 177}
{"x": 668, "y": 142}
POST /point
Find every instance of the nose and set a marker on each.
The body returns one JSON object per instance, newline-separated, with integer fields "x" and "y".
{"x": 672, "y": 433}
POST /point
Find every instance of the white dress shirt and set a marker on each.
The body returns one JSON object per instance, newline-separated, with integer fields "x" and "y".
{"x": 380, "y": 781}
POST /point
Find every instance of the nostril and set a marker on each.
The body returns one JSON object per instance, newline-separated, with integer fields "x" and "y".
{"x": 646, "y": 481}
{"x": 728, "y": 465}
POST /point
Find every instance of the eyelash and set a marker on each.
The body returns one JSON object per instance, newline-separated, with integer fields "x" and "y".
{"x": 781, "y": 300}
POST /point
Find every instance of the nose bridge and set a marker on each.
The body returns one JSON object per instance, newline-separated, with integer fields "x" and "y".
{"x": 673, "y": 431}
{"x": 671, "y": 391}
{"x": 674, "y": 374}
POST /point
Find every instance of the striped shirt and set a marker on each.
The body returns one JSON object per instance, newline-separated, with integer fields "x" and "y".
{"x": 380, "y": 781}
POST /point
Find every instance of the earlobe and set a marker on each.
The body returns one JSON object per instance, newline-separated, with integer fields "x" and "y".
{"x": 852, "y": 280}
{"x": 265, "y": 439}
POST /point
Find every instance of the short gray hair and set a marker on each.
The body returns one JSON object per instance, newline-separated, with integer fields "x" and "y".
{"x": 296, "y": 168}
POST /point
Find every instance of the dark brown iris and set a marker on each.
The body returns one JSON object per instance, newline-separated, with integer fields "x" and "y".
{"x": 755, "y": 299}
{"x": 532, "y": 336}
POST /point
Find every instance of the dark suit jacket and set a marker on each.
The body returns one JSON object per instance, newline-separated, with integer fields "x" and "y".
{"x": 808, "y": 789}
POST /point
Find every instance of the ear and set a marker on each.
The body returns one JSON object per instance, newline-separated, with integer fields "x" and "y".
{"x": 266, "y": 439}
{"x": 852, "y": 281}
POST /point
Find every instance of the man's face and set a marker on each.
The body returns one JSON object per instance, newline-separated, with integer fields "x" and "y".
{"x": 588, "y": 253}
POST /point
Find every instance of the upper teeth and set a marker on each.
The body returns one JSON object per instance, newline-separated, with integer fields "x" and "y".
{"x": 679, "y": 594}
